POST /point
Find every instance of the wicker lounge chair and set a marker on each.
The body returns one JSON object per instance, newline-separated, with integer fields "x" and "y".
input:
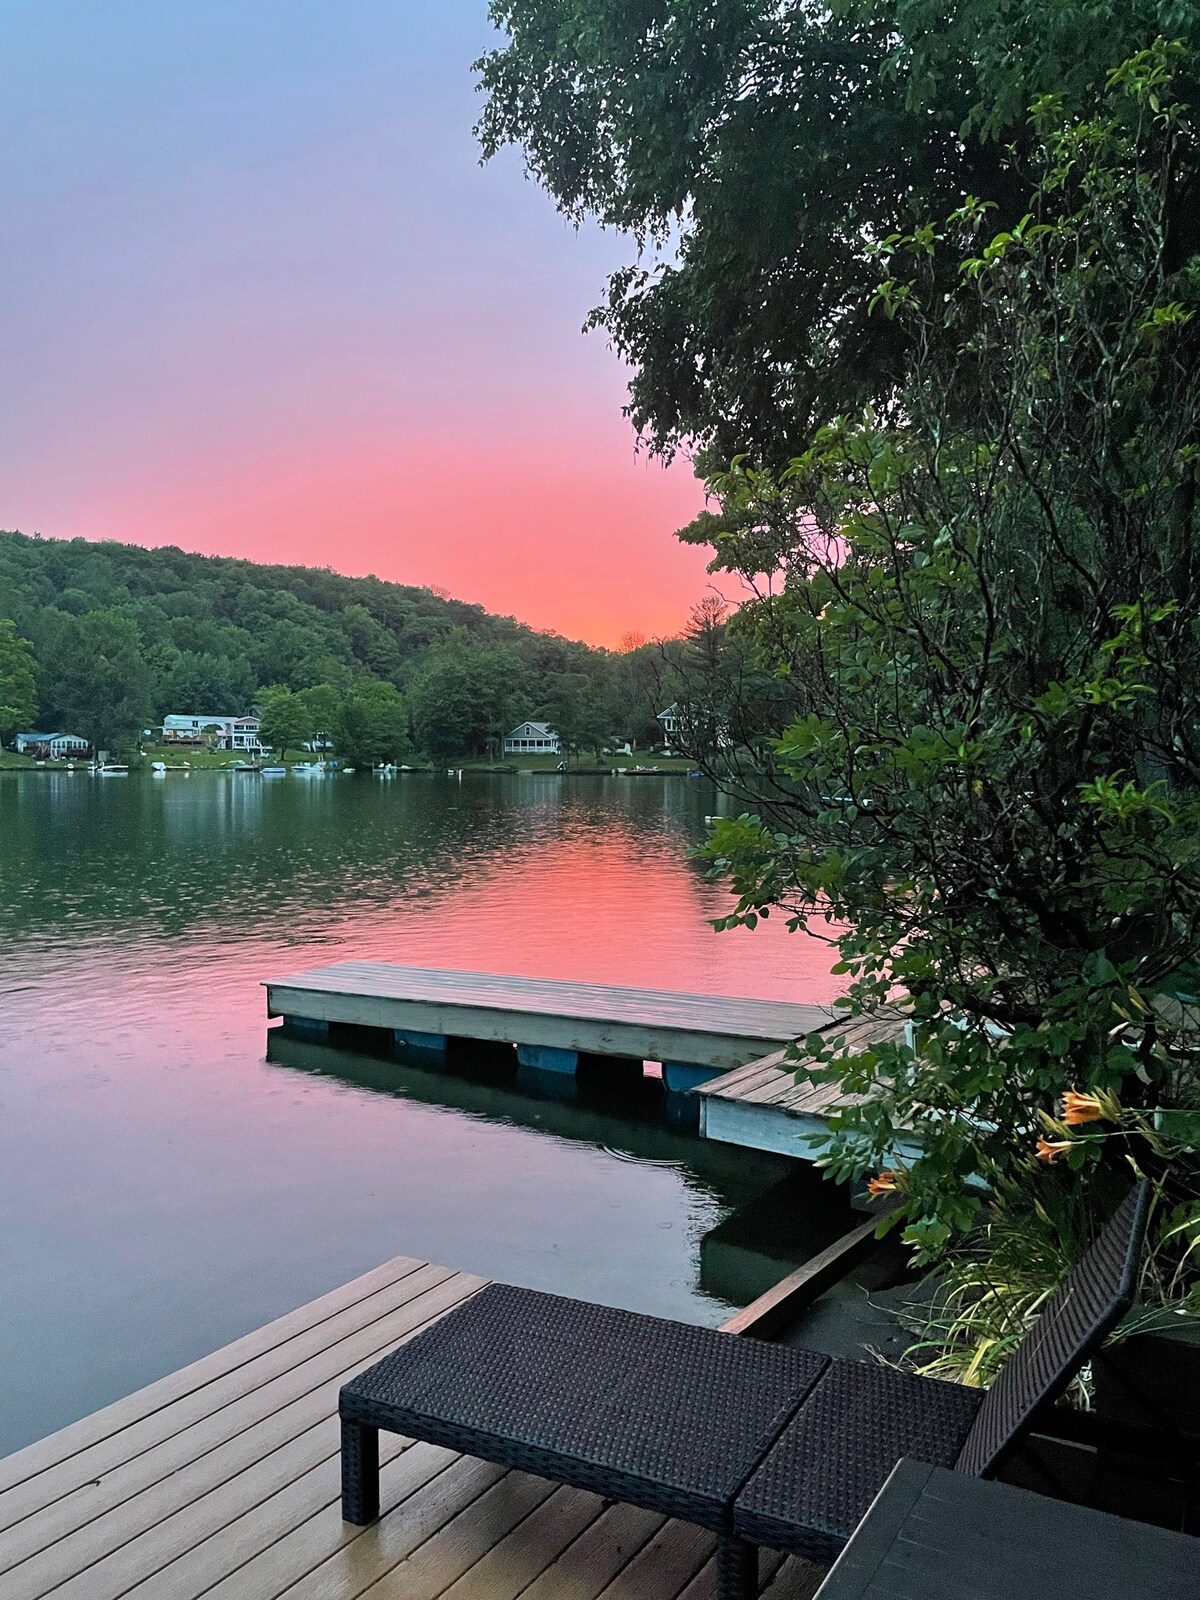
{"x": 762, "y": 1443}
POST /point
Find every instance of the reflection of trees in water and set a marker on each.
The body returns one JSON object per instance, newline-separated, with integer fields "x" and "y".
{"x": 189, "y": 853}
{"x": 611, "y": 1115}
{"x": 773, "y": 1213}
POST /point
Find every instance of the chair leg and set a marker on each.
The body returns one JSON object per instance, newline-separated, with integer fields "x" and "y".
{"x": 360, "y": 1473}
{"x": 737, "y": 1568}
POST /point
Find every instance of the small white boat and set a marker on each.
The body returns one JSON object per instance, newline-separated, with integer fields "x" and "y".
{"x": 114, "y": 769}
{"x": 308, "y": 769}
{"x": 274, "y": 772}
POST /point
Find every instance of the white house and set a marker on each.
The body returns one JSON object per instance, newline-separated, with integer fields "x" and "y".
{"x": 54, "y": 745}
{"x": 670, "y": 724}
{"x": 230, "y": 733}
{"x": 532, "y": 738}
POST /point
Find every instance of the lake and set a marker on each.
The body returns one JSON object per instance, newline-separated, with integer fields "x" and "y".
{"x": 174, "y": 1173}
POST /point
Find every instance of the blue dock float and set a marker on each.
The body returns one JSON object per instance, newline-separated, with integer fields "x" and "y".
{"x": 556, "y": 1026}
{"x": 548, "y": 1058}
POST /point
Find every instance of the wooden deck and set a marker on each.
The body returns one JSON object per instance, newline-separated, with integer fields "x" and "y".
{"x": 595, "y": 1019}
{"x": 221, "y": 1480}
{"x": 762, "y": 1105}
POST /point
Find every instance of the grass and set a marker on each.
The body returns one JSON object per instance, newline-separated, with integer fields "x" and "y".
{"x": 529, "y": 763}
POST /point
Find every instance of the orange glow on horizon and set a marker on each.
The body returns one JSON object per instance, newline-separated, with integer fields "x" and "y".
{"x": 499, "y": 527}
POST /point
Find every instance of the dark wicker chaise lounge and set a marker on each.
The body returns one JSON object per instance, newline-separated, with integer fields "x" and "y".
{"x": 762, "y": 1443}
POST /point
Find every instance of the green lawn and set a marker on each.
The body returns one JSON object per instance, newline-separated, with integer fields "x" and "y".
{"x": 551, "y": 763}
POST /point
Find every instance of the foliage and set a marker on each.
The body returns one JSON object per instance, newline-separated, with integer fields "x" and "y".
{"x": 467, "y": 698}
{"x": 18, "y": 687}
{"x": 372, "y": 724}
{"x": 984, "y": 601}
{"x": 284, "y": 719}
{"x": 92, "y": 677}
{"x": 987, "y": 1296}
{"x": 575, "y": 713}
{"x": 751, "y": 149}
{"x": 208, "y": 635}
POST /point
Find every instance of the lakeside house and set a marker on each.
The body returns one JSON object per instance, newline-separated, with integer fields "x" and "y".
{"x": 532, "y": 738}
{"x": 228, "y": 733}
{"x": 670, "y": 725}
{"x": 51, "y": 746}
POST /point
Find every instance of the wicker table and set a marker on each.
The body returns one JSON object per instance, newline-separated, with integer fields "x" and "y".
{"x": 946, "y": 1534}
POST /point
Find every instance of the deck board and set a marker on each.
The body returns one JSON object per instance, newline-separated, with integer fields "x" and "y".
{"x": 763, "y": 1105}
{"x": 221, "y": 1481}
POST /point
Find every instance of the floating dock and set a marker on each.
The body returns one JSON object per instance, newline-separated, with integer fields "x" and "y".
{"x": 554, "y": 1025}
{"x": 763, "y": 1106}
{"x": 222, "y": 1481}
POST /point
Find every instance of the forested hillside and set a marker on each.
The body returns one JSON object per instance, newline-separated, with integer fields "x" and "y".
{"x": 122, "y": 635}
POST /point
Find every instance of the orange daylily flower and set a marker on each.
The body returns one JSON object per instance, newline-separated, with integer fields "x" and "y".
{"x": 1051, "y": 1149}
{"x": 1077, "y": 1108}
{"x": 885, "y": 1183}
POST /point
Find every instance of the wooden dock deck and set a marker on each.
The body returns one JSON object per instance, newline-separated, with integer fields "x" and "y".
{"x": 221, "y": 1481}
{"x": 761, "y": 1105}
{"x": 701, "y": 1033}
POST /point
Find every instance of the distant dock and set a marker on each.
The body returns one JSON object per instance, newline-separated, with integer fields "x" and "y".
{"x": 554, "y": 1025}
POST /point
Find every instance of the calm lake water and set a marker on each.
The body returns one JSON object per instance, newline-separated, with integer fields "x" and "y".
{"x": 174, "y": 1173}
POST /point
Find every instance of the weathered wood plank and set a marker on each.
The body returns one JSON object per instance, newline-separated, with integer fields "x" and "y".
{"x": 664, "y": 1566}
{"x": 78, "y": 1436}
{"x": 511, "y": 1565}
{"x": 91, "y": 1467}
{"x": 589, "y": 1565}
{"x": 140, "y": 1534}
{"x": 361, "y": 1556}
{"x": 704, "y": 1585}
{"x": 767, "y": 1019}
{"x": 301, "y": 1524}
{"x": 311, "y": 1542}
{"x": 466, "y": 1539}
{"x": 796, "y": 1580}
{"x": 783, "y": 1303}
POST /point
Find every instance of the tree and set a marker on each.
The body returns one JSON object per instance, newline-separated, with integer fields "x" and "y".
{"x": 284, "y": 719}
{"x": 573, "y": 710}
{"x": 751, "y": 150}
{"x": 985, "y": 600}
{"x": 206, "y": 682}
{"x": 95, "y": 681}
{"x": 634, "y": 693}
{"x": 463, "y": 701}
{"x": 372, "y": 725}
{"x": 704, "y": 693}
{"x": 18, "y": 685}
{"x": 322, "y": 708}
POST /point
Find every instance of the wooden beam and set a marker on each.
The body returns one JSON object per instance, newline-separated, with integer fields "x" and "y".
{"x": 791, "y": 1295}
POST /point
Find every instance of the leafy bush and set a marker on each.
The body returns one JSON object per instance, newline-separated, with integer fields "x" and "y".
{"x": 984, "y": 599}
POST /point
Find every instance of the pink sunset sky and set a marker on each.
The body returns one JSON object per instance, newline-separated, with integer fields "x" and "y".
{"x": 260, "y": 299}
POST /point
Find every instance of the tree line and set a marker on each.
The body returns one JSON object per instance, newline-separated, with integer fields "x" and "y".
{"x": 106, "y": 639}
